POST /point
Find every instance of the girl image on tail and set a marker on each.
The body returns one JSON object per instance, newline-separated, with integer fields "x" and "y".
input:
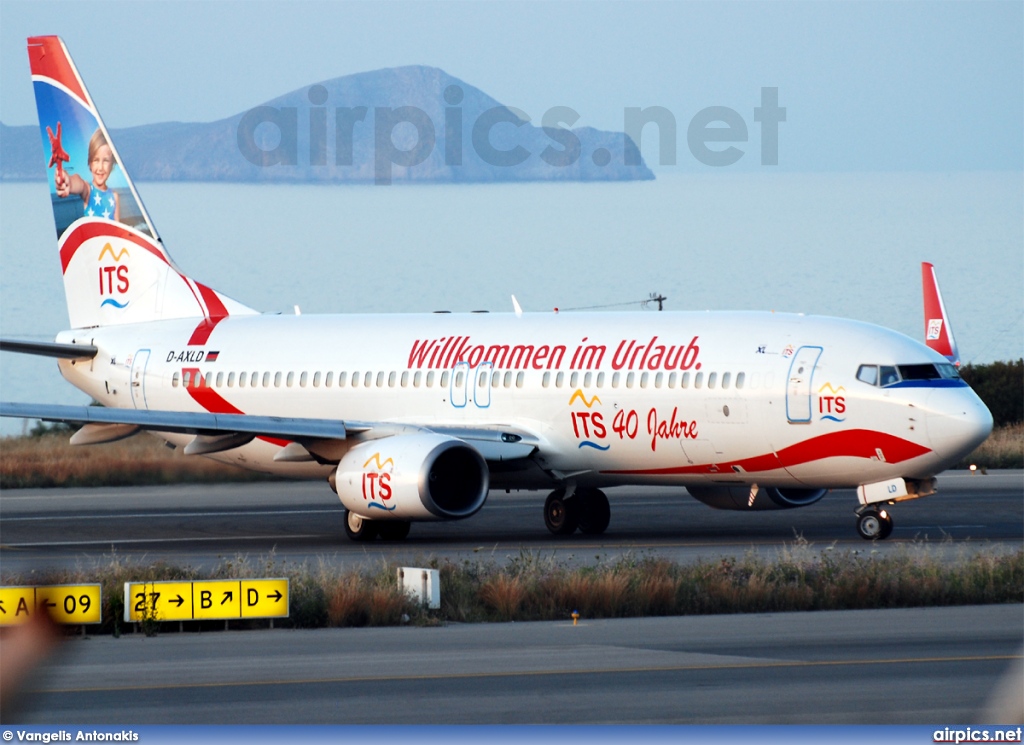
{"x": 97, "y": 199}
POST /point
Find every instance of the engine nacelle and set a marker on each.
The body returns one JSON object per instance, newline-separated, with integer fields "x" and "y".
{"x": 755, "y": 498}
{"x": 412, "y": 477}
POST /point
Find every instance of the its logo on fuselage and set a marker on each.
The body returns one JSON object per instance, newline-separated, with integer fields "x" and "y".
{"x": 113, "y": 278}
{"x": 377, "y": 482}
{"x": 831, "y": 403}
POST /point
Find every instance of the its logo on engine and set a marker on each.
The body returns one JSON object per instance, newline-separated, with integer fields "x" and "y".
{"x": 377, "y": 482}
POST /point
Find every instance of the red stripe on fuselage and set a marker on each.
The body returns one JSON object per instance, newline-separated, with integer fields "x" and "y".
{"x": 854, "y": 443}
{"x": 203, "y": 330}
{"x": 213, "y": 402}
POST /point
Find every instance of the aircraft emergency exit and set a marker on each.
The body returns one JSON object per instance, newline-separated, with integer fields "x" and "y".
{"x": 416, "y": 417}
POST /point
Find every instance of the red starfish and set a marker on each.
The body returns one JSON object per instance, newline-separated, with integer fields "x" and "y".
{"x": 57, "y": 154}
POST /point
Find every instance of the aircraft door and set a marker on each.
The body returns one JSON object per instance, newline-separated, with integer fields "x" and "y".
{"x": 138, "y": 379}
{"x": 798, "y": 385}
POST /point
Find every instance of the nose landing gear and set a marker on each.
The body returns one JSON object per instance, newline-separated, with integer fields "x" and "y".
{"x": 874, "y": 524}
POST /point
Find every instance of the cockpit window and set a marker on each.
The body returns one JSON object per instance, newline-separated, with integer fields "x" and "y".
{"x": 919, "y": 372}
{"x": 885, "y": 375}
{"x": 889, "y": 375}
{"x": 868, "y": 374}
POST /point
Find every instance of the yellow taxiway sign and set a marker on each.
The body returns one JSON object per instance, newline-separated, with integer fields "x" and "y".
{"x": 205, "y": 600}
{"x": 70, "y": 604}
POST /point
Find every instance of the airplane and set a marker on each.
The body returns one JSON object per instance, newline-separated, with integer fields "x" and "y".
{"x": 416, "y": 417}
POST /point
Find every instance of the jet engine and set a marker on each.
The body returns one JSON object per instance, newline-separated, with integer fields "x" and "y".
{"x": 751, "y": 497}
{"x": 412, "y": 477}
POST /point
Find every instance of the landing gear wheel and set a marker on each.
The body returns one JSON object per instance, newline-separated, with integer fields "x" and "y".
{"x": 561, "y": 515}
{"x": 394, "y": 530}
{"x": 874, "y": 526}
{"x": 595, "y": 513}
{"x": 358, "y": 528}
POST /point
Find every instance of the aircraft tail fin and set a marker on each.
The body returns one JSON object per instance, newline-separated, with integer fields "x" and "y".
{"x": 938, "y": 334}
{"x": 115, "y": 267}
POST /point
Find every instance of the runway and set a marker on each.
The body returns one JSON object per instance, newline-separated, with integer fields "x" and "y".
{"x": 202, "y": 525}
{"x": 913, "y": 666}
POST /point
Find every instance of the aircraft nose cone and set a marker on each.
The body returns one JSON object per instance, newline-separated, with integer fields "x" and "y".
{"x": 958, "y": 422}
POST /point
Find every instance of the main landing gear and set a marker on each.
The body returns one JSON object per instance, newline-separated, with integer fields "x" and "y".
{"x": 586, "y": 510}
{"x": 358, "y": 528}
{"x": 874, "y": 524}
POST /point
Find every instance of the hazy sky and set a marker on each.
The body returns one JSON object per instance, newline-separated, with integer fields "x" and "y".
{"x": 866, "y": 85}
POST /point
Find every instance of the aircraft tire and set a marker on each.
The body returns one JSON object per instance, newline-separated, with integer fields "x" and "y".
{"x": 394, "y": 530}
{"x": 561, "y": 515}
{"x": 595, "y": 513}
{"x": 871, "y": 526}
{"x": 358, "y": 528}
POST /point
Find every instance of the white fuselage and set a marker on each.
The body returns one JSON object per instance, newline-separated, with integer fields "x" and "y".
{"x": 624, "y": 398}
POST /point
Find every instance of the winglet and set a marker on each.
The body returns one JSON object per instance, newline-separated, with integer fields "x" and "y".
{"x": 938, "y": 334}
{"x": 516, "y": 307}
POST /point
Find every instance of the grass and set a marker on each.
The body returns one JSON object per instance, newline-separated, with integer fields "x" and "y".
{"x": 1004, "y": 448}
{"x": 50, "y": 460}
{"x": 534, "y": 587}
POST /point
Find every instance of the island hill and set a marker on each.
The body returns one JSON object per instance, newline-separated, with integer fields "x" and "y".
{"x": 403, "y": 124}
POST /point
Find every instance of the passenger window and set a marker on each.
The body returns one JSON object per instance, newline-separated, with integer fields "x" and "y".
{"x": 355, "y": 380}
{"x": 482, "y": 379}
{"x": 520, "y": 377}
{"x": 303, "y": 379}
{"x": 741, "y": 378}
{"x": 290, "y": 380}
{"x": 416, "y": 378}
{"x": 342, "y": 379}
{"x": 405, "y": 378}
{"x": 615, "y": 380}
{"x": 242, "y": 379}
{"x": 868, "y": 374}
{"x": 712, "y": 380}
{"x": 698, "y": 380}
{"x": 175, "y": 379}
{"x": 380, "y": 379}
{"x": 508, "y": 378}
{"x": 726, "y": 379}
{"x": 629, "y": 379}
{"x": 888, "y": 375}
{"x": 367, "y": 379}
{"x": 684, "y": 382}
{"x": 559, "y": 379}
{"x": 444, "y": 379}
{"x": 643, "y": 379}
{"x": 546, "y": 380}
{"x": 277, "y": 379}
{"x": 658, "y": 379}
{"x": 574, "y": 380}
{"x": 316, "y": 379}
{"x": 672, "y": 380}
{"x": 231, "y": 380}
{"x": 392, "y": 377}
{"x": 587, "y": 379}
{"x": 328, "y": 379}
{"x": 266, "y": 379}
{"x": 430, "y": 379}
{"x": 495, "y": 379}
{"x": 220, "y": 379}
{"x": 600, "y": 380}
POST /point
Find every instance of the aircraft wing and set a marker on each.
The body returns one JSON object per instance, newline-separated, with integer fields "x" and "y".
{"x": 216, "y": 432}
